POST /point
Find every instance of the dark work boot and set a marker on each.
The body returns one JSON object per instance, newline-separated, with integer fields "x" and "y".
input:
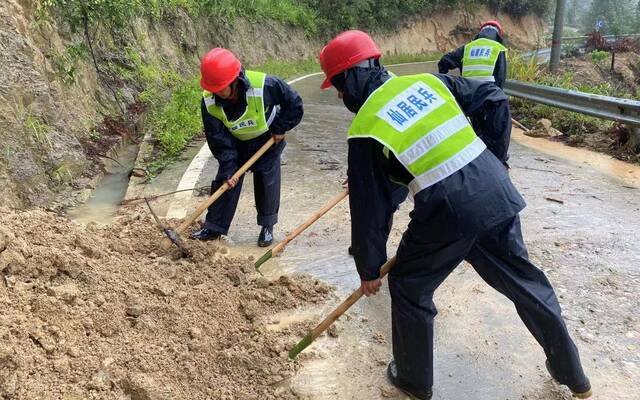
{"x": 205, "y": 234}
{"x": 582, "y": 391}
{"x": 266, "y": 236}
{"x": 392, "y": 374}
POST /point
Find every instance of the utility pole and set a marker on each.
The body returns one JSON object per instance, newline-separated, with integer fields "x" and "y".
{"x": 556, "y": 44}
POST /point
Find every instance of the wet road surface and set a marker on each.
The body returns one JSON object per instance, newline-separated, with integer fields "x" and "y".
{"x": 581, "y": 223}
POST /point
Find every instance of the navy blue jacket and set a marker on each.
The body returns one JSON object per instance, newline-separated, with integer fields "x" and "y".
{"x": 231, "y": 152}
{"x": 482, "y": 191}
{"x": 453, "y": 60}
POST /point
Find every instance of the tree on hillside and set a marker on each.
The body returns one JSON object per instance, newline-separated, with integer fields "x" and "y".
{"x": 614, "y": 13}
{"x": 572, "y": 13}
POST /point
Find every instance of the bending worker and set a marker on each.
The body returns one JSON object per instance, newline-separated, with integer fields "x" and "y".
{"x": 414, "y": 130}
{"x": 484, "y": 58}
{"x": 241, "y": 110}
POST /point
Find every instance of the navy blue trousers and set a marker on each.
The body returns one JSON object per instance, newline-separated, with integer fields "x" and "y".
{"x": 266, "y": 187}
{"x": 500, "y": 257}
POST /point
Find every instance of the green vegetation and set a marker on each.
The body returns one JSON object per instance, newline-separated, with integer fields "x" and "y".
{"x": 287, "y": 69}
{"x": 62, "y": 174}
{"x": 173, "y": 101}
{"x": 408, "y": 58}
{"x": 38, "y": 129}
{"x": 576, "y": 125}
{"x": 314, "y": 16}
{"x": 598, "y": 56}
{"x": 336, "y": 16}
{"x": 66, "y": 63}
{"x": 618, "y": 16}
{"x": 117, "y": 14}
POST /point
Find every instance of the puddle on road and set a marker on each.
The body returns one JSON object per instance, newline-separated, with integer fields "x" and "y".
{"x": 628, "y": 173}
{"x": 105, "y": 200}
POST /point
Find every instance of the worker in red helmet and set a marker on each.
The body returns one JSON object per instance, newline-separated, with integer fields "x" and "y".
{"x": 414, "y": 130}
{"x": 484, "y": 58}
{"x": 241, "y": 110}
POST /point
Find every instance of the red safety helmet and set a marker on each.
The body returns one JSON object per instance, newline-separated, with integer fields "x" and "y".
{"x": 218, "y": 69}
{"x": 495, "y": 24}
{"x": 344, "y": 51}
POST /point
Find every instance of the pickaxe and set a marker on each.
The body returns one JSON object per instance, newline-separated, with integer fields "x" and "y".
{"x": 166, "y": 243}
{"x": 175, "y": 239}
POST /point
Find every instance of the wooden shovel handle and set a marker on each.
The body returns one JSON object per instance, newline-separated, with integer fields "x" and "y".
{"x": 335, "y": 314}
{"x": 348, "y": 302}
{"x": 191, "y": 218}
{"x": 316, "y": 216}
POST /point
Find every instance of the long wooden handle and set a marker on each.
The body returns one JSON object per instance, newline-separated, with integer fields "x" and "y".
{"x": 280, "y": 246}
{"x": 335, "y": 314}
{"x": 191, "y": 218}
{"x": 316, "y": 216}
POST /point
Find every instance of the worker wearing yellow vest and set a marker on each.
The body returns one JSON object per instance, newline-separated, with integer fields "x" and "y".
{"x": 413, "y": 130}
{"x": 484, "y": 58}
{"x": 241, "y": 110}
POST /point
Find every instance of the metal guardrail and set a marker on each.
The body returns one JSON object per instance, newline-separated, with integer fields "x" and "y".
{"x": 621, "y": 110}
{"x": 627, "y": 35}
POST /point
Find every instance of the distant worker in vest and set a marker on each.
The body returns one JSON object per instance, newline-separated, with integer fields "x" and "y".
{"x": 413, "y": 130}
{"x": 484, "y": 58}
{"x": 241, "y": 110}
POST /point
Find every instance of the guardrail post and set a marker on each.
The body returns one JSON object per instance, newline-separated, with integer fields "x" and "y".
{"x": 634, "y": 138}
{"x": 613, "y": 60}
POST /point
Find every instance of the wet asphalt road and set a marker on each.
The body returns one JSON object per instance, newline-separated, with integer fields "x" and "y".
{"x": 581, "y": 225}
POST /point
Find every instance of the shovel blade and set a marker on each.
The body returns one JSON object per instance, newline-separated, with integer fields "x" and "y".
{"x": 303, "y": 344}
{"x": 265, "y": 257}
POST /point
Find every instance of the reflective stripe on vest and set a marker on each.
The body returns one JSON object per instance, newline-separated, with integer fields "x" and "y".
{"x": 418, "y": 119}
{"x": 253, "y": 122}
{"x": 480, "y": 59}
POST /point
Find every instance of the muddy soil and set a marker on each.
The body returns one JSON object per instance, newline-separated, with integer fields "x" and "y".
{"x": 580, "y": 224}
{"x": 94, "y": 312}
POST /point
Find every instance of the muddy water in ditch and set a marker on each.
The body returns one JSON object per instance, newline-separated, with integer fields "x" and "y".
{"x": 580, "y": 224}
{"x": 105, "y": 200}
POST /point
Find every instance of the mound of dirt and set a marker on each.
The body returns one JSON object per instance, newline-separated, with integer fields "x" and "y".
{"x": 94, "y": 312}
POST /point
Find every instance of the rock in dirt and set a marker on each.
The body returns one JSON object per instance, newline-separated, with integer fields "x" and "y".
{"x": 334, "y": 330}
{"x": 543, "y": 128}
{"x": 388, "y": 391}
{"x": 4, "y": 240}
{"x": 135, "y": 310}
{"x": 67, "y": 293}
{"x": 237, "y": 277}
{"x": 195, "y": 333}
{"x": 124, "y": 326}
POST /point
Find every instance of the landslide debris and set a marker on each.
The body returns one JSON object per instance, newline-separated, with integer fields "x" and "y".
{"x": 93, "y": 312}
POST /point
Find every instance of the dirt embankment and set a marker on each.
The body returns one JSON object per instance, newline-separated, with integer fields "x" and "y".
{"x": 99, "y": 313}
{"x": 53, "y": 101}
{"x": 444, "y": 32}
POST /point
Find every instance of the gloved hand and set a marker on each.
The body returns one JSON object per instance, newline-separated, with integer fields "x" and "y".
{"x": 232, "y": 182}
{"x": 370, "y": 288}
{"x": 277, "y": 137}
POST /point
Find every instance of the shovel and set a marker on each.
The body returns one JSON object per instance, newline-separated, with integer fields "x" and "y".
{"x": 280, "y": 246}
{"x": 166, "y": 243}
{"x": 335, "y": 314}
